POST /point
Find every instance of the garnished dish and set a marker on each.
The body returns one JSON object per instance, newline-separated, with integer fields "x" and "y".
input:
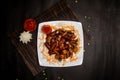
{"x": 60, "y": 43}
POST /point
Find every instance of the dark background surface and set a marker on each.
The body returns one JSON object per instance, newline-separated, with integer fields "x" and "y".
{"x": 102, "y": 56}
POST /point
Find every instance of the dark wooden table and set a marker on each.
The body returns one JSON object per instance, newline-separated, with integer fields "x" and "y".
{"x": 101, "y": 24}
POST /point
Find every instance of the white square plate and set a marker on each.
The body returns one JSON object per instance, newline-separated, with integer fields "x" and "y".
{"x": 48, "y": 61}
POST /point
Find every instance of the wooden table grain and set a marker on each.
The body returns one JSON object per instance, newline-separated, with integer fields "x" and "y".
{"x": 101, "y": 23}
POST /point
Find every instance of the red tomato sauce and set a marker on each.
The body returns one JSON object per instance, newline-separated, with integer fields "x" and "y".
{"x": 30, "y": 24}
{"x": 46, "y": 29}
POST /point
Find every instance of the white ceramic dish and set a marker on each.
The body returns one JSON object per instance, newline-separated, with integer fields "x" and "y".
{"x": 40, "y": 43}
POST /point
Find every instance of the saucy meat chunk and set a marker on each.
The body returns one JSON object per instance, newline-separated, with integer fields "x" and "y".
{"x": 61, "y": 43}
